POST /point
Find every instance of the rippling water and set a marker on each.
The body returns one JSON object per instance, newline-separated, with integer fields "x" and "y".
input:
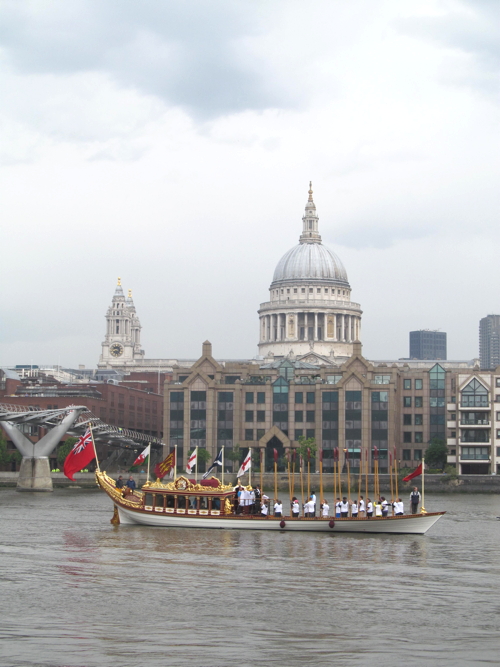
{"x": 80, "y": 592}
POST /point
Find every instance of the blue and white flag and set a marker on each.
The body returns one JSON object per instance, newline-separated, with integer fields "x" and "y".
{"x": 217, "y": 462}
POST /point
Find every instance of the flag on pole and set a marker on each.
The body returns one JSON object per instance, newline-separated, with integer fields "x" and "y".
{"x": 375, "y": 453}
{"x": 336, "y": 454}
{"x": 247, "y": 462}
{"x": 415, "y": 473}
{"x": 217, "y": 462}
{"x": 161, "y": 469}
{"x": 142, "y": 456}
{"x": 275, "y": 454}
{"x": 192, "y": 461}
{"x": 80, "y": 456}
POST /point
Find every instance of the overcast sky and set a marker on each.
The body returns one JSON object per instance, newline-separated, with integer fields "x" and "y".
{"x": 171, "y": 143}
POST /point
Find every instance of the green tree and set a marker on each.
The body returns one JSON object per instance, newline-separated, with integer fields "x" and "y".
{"x": 6, "y": 457}
{"x": 64, "y": 449}
{"x": 307, "y": 444}
{"x": 437, "y": 453}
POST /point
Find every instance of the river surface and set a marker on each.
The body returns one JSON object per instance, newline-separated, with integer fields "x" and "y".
{"x": 76, "y": 591}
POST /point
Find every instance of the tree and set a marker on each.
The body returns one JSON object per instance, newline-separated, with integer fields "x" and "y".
{"x": 436, "y": 453}
{"x": 6, "y": 457}
{"x": 64, "y": 449}
{"x": 306, "y": 444}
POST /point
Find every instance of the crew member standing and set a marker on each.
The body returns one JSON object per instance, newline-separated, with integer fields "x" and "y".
{"x": 414, "y": 499}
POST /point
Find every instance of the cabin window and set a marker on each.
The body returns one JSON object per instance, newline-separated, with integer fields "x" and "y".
{"x": 181, "y": 502}
{"x": 170, "y": 501}
{"x": 159, "y": 500}
{"x": 216, "y": 503}
{"x": 148, "y": 499}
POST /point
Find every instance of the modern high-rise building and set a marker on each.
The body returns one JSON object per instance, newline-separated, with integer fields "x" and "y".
{"x": 489, "y": 341}
{"x": 426, "y": 344}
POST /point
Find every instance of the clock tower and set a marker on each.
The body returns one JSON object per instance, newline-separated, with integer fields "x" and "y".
{"x": 122, "y": 344}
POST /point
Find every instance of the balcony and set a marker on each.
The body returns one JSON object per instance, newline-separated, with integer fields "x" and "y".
{"x": 451, "y": 441}
{"x": 452, "y": 424}
{"x": 451, "y": 459}
{"x": 474, "y": 422}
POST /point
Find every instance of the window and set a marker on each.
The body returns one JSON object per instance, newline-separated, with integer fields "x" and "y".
{"x": 310, "y": 290}
{"x": 310, "y": 433}
{"x": 249, "y": 415}
{"x": 453, "y": 416}
{"x": 299, "y": 416}
{"x": 310, "y": 397}
{"x": 437, "y": 376}
{"x": 419, "y": 401}
{"x": 382, "y": 379}
{"x": 298, "y": 433}
{"x": 497, "y": 382}
{"x": 310, "y": 416}
{"x": 248, "y": 434}
{"x": 419, "y": 384}
{"x": 453, "y": 434}
{"x": 475, "y": 395}
{"x": 406, "y": 454}
{"x": 406, "y": 384}
{"x": 260, "y": 433}
{"x": 419, "y": 436}
{"x": 295, "y": 290}
{"x": 261, "y": 397}
{"x": 417, "y": 454}
{"x": 226, "y": 397}
{"x": 333, "y": 379}
{"x": 318, "y": 290}
{"x": 303, "y": 290}
{"x": 261, "y": 416}
{"x": 477, "y": 453}
{"x": 407, "y": 420}
{"x": 299, "y": 397}
{"x": 249, "y": 397}
{"x": 407, "y": 436}
{"x": 419, "y": 420}
{"x": 407, "y": 401}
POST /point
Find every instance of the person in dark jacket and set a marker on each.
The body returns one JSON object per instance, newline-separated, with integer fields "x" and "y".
{"x": 119, "y": 482}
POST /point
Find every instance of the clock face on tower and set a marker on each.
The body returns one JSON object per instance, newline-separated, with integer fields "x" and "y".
{"x": 116, "y": 350}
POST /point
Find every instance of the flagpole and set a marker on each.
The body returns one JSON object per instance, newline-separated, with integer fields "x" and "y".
{"x": 422, "y": 508}
{"x": 367, "y": 460}
{"x": 275, "y": 481}
{"x": 293, "y": 455}
{"x": 175, "y": 462}
{"x": 95, "y": 450}
{"x": 196, "y": 465}
{"x": 149, "y": 459}
{"x": 222, "y": 459}
{"x": 308, "y": 473}
{"x": 250, "y": 469}
{"x": 289, "y": 478}
{"x": 390, "y": 477}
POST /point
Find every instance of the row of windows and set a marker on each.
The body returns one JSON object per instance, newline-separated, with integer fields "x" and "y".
{"x": 419, "y": 401}
{"x": 311, "y": 290}
{"x": 419, "y": 384}
{"x": 418, "y": 420}
{"x": 408, "y": 436}
{"x": 417, "y": 455}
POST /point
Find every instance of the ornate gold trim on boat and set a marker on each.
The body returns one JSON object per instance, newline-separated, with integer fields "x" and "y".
{"x": 184, "y": 484}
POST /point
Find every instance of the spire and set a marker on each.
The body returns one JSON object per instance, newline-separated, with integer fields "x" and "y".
{"x": 310, "y": 232}
{"x": 118, "y": 290}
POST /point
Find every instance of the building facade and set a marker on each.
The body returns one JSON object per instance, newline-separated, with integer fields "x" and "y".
{"x": 426, "y": 344}
{"x": 489, "y": 342}
{"x": 310, "y": 305}
{"x": 363, "y": 409}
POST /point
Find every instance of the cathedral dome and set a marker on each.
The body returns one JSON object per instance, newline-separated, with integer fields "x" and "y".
{"x": 310, "y": 261}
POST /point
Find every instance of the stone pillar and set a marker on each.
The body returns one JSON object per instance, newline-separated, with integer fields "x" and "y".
{"x": 34, "y": 474}
{"x": 315, "y": 326}
{"x": 342, "y": 328}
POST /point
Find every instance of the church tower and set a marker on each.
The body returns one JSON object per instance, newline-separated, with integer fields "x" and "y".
{"x": 122, "y": 343}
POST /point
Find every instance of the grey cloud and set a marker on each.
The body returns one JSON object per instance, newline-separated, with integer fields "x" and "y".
{"x": 190, "y": 54}
{"x": 472, "y": 28}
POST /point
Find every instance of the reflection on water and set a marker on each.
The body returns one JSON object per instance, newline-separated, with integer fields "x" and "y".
{"x": 82, "y": 592}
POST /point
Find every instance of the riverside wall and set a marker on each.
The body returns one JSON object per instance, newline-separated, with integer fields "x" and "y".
{"x": 433, "y": 483}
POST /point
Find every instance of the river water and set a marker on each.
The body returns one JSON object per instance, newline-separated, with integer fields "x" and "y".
{"x": 76, "y": 591}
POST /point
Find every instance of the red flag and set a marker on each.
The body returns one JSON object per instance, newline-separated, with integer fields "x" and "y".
{"x": 375, "y": 453}
{"x": 415, "y": 473}
{"x": 80, "y": 456}
{"x": 336, "y": 454}
{"x": 293, "y": 455}
{"x": 161, "y": 469}
{"x": 275, "y": 452}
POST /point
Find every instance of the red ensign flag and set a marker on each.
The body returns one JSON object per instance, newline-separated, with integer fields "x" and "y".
{"x": 415, "y": 473}
{"x": 80, "y": 456}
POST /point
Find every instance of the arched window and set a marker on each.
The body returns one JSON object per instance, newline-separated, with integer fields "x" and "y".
{"x": 474, "y": 395}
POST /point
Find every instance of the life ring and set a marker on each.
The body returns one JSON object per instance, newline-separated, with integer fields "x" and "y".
{"x": 282, "y": 524}
{"x": 331, "y": 524}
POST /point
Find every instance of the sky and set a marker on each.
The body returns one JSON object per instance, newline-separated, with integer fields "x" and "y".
{"x": 172, "y": 144}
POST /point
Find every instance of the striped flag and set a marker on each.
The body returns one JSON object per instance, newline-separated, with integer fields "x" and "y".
{"x": 161, "y": 469}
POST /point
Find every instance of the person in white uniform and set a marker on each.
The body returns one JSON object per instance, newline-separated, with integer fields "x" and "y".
{"x": 295, "y": 507}
{"x": 354, "y": 509}
{"x": 362, "y": 507}
{"x": 278, "y": 508}
{"x": 399, "y": 508}
{"x": 325, "y": 509}
{"x": 264, "y": 508}
{"x": 369, "y": 508}
{"x": 344, "y": 508}
{"x": 309, "y": 508}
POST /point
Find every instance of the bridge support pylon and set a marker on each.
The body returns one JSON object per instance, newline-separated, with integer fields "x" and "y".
{"x": 34, "y": 474}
